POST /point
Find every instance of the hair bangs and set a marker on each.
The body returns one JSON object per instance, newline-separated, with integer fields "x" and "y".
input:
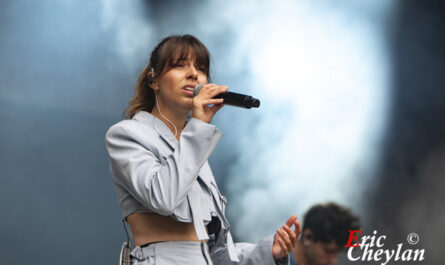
{"x": 189, "y": 48}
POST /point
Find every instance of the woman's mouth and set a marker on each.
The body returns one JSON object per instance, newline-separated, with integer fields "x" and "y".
{"x": 188, "y": 90}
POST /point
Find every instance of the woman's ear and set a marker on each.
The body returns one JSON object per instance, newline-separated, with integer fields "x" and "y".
{"x": 152, "y": 80}
{"x": 154, "y": 85}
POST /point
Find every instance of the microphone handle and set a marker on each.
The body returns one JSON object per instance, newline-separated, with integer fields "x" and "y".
{"x": 239, "y": 100}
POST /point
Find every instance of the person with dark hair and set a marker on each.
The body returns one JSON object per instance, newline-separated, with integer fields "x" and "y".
{"x": 158, "y": 162}
{"x": 325, "y": 232}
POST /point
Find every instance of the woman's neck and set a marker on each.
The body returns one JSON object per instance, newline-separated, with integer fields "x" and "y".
{"x": 177, "y": 118}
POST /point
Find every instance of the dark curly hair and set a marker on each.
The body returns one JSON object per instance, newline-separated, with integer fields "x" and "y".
{"x": 330, "y": 222}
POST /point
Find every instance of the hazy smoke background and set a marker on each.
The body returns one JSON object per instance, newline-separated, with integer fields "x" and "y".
{"x": 352, "y": 111}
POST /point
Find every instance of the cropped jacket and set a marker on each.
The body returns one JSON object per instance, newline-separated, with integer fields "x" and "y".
{"x": 154, "y": 173}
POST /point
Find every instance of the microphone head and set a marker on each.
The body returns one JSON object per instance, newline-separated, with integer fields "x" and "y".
{"x": 196, "y": 89}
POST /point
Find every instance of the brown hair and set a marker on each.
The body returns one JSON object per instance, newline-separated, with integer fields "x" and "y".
{"x": 167, "y": 53}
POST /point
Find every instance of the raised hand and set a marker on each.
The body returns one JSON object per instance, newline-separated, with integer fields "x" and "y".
{"x": 200, "y": 109}
{"x": 285, "y": 238}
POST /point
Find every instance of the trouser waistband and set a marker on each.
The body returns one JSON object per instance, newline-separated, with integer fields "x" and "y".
{"x": 168, "y": 248}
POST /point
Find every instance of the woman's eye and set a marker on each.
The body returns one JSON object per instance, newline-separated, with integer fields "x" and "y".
{"x": 179, "y": 65}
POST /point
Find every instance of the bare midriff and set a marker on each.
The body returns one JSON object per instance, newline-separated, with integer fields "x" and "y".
{"x": 152, "y": 227}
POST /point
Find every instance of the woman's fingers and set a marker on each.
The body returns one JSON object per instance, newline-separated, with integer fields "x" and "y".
{"x": 282, "y": 244}
{"x": 204, "y": 98}
{"x": 211, "y": 90}
{"x": 291, "y": 234}
{"x": 288, "y": 235}
{"x": 281, "y": 241}
{"x": 297, "y": 229}
{"x": 216, "y": 107}
{"x": 286, "y": 238}
{"x": 212, "y": 101}
{"x": 291, "y": 220}
{"x": 287, "y": 241}
{"x": 206, "y": 95}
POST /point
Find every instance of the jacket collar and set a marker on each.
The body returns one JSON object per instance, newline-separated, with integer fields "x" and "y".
{"x": 160, "y": 127}
{"x": 166, "y": 135}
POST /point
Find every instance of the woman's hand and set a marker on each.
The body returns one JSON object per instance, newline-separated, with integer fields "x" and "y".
{"x": 200, "y": 109}
{"x": 285, "y": 238}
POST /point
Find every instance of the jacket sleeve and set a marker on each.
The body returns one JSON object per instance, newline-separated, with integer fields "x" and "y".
{"x": 159, "y": 183}
{"x": 250, "y": 254}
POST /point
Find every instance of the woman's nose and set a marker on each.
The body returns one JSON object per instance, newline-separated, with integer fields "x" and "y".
{"x": 193, "y": 73}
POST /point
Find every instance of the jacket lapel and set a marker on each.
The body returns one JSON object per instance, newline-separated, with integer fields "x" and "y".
{"x": 162, "y": 129}
{"x": 205, "y": 173}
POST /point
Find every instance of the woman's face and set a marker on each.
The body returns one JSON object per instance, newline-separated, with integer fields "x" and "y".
{"x": 174, "y": 88}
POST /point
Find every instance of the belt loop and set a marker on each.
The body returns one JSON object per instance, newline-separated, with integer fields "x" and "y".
{"x": 137, "y": 254}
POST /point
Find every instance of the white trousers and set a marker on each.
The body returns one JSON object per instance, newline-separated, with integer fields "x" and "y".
{"x": 172, "y": 253}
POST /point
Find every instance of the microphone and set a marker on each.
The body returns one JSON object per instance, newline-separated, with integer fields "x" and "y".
{"x": 233, "y": 99}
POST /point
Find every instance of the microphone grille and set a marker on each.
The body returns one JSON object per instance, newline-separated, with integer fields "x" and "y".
{"x": 196, "y": 89}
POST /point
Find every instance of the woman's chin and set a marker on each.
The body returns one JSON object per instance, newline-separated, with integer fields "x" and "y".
{"x": 186, "y": 104}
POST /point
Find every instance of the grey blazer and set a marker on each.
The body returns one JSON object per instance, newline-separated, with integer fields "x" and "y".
{"x": 153, "y": 172}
